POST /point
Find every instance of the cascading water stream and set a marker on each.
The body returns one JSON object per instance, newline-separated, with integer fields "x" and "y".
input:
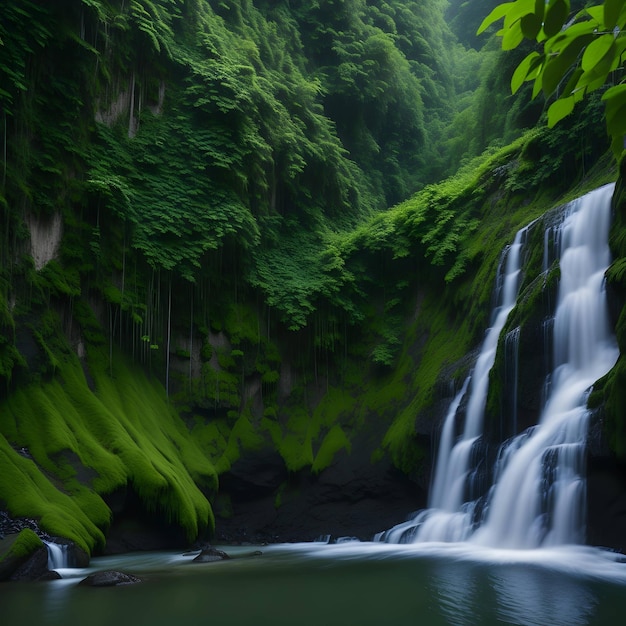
{"x": 539, "y": 498}
{"x": 57, "y": 555}
{"x": 538, "y": 495}
{"x": 450, "y": 516}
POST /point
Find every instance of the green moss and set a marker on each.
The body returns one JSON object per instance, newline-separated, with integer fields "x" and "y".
{"x": 27, "y": 492}
{"x": 15, "y": 549}
{"x": 24, "y": 545}
{"x": 294, "y": 443}
{"x": 615, "y": 408}
{"x": 446, "y": 343}
{"x": 613, "y": 385}
{"x": 217, "y": 387}
{"x": 90, "y": 443}
{"x": 335, "y": 440}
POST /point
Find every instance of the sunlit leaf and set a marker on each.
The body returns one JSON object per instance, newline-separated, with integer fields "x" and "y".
{"x": 558, "y": 65}
{"x": 524, "y": 69}
{"x": 596, "y": 51}
{"x": 498, "y": 13}
{"x": 559, "y": 109}
{"x": 512, "y": 37}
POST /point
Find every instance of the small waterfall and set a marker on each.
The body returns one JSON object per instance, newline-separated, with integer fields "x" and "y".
{"x": 58, "y": 557}
{"x": 538, "y": 495}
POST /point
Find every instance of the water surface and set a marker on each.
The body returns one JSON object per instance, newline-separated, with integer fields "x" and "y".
{"x": 349, "y": 584}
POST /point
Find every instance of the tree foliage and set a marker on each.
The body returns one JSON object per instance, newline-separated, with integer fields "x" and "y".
{"x": 581, "y": 53}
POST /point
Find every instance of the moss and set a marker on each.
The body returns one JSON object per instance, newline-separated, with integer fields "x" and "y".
{"x": 335, "y": 440}
{"x": 295, "y": 443}
{"x": 124, "y": 432}
{"x": 27, "y": 492}
{"x": 217, "y": 387}
{"x": 614, "y": 384}
{"x": 15, "y": 549}
{"x": 226, "y": 440}
{"x": 24, "y": 544}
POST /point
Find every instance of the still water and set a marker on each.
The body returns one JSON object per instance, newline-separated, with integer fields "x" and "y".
{"x": 348, "y": 583}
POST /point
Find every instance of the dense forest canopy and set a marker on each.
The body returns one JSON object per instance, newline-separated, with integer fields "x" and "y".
{"x": 251, "y": 149}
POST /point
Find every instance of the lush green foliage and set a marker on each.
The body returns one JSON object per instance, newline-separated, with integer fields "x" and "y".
{"x": 581, "y": 54}
{"x": 221, "y": 173}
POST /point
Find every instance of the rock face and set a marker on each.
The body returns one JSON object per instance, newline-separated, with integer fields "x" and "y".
{"x": 135, "y": 529}
{"x": 109, "y": 578}
{"x": 353, "y": 496}
{"x": 34, "y": 568}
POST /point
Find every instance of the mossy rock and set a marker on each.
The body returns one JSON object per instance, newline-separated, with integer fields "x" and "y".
{"x": 16, "y": 549}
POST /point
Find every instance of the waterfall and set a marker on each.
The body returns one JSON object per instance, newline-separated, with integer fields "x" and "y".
{"x": 450, "y": 515}
{"x": 539, "y": 498}
{"x": 538, "y": 494}
{"x": 58, "y": 557}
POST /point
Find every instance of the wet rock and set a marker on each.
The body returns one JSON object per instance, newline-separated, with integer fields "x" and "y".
{"x": 34, "y": 568}
{"x": 109, "y": 578}
{"x": 22, "y": 556}
{"x": 210, "y": 554}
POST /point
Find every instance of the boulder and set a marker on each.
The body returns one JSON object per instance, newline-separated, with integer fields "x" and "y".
{"x": 210, "y": 554}
{"x": 35, "y": 568}
{"x": 16, "y": 550}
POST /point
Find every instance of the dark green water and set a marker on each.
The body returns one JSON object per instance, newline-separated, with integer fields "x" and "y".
{"x": 355, "y": 584}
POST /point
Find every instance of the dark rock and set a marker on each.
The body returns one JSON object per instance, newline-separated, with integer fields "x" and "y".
{"x": 258, "y": 473}
{"x": 134, "y": 528}
{"x": 34, "y": 568}
{"x": 50, "y": 575}
{"x": 353, "y": 496}
{"x": 109, "y": 578}
{"x": 606, "y": 503}
{"x": 76, "y": 556}
{"x": 209, "y": 555}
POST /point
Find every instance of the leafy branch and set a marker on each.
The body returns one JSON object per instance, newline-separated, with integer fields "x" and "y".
{"x": 581, "y": 54}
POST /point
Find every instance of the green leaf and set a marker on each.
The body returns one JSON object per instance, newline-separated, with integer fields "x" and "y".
{"x": 540, "y": 9}
{"x": 498, "y": 13}
{"x": 512, "y": 36}
{"x": 612, "y": 9}
{"x": 524, "y": 70}
{"x": 616, "y": 125}
{"x": 519, "y": 9}
{"x": 558, "y": 65}
{"x": 531, "y": 25}
{"x": 559, "y": 109}
{"x": 556, "y": 14}
{"x": 571, "y": 87}
{"x": 615, "y": 93}
{"x": 596, "y": 51}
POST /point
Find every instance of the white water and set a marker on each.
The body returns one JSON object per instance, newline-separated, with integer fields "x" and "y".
{"x": 57, "y": 555}
{"x": 538, "y": 496}
{"x": 449, "y": 516}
